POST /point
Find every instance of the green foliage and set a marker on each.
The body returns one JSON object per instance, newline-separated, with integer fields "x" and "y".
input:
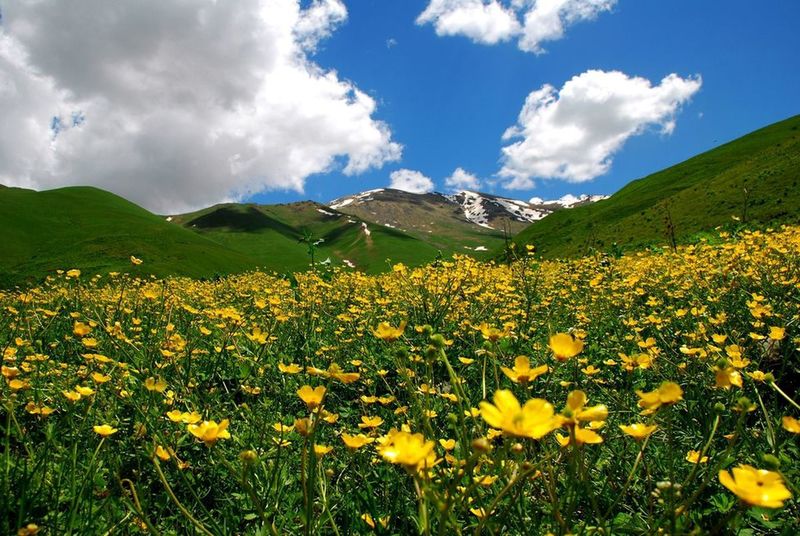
{"x": 755, "y": 179}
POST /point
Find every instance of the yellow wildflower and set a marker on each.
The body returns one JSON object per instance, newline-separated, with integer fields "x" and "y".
{"x": 534, "y": 420}
{"x": 522, "y": 371}
{"x": 104, "y": 430}
{"x": 565, "y": 346}
{"x": 312, "y": 396}
{"x": 638, "y": 431}
{"x": 209, "y": 431}
{"x": 756, "y": 487}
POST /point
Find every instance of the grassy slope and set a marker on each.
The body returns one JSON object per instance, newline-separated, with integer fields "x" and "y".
{"x": 273, "y": 234}
{"x": 700, "y": 193}
{"x": 96, "y": 231}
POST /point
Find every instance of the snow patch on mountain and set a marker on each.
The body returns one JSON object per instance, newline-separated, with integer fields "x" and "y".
{"x": 474, "y": 210}
{"x": 568, "y": 200}
{"x": 363, "y": 196}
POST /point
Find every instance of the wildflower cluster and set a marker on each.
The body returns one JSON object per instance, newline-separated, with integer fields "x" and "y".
{"x": 653, "y": 393}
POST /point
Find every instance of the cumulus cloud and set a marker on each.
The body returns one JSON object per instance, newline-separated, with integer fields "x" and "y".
{"x": 462, "y": 180}
{"x": 412, "y": 181}
{"x": 573, "y": 133}
{"x": 483, "y": 22}
{"x": 177, "y": 105}
{"x": 491, "y": 21}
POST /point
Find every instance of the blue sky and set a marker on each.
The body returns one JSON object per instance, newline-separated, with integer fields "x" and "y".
{"x": 448, "y": 100}
{"x": 187, "y": 104}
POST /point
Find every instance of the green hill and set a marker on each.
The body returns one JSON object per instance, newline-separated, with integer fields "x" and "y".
{"x": 96, "y": 231}
{"x": 755, "y": 178}
{"x": 276, "y": 236}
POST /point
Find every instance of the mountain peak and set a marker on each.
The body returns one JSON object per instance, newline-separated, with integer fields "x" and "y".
{"x": 470, "y": 208}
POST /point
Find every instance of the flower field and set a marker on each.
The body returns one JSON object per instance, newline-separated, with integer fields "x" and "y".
{"x": 655, "y": 393}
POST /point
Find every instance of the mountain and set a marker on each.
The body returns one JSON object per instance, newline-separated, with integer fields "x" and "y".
{"x": 278, "y": 236}
{"x": 463, "y": 222}
{"x": 753, "y": 178}
{"x": 97, "y": 231}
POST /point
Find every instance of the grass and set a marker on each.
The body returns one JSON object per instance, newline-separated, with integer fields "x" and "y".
{"x": 342, "y": 403}
{"x": 96, "y": 231}
{"x": 275, "y": 235}
{"x": 755, "y": 178}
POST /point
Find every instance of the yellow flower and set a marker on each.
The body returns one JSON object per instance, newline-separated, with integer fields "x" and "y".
{"x": 667, "y": 393}
{"x": 84, "y": 391}
{"x": 491, "y": 333}
{"x": 412, "y": 451}
{"x": 480, "y": 513}
{"x": 790, "y": 424}
{"x": 582, "y": 436}
{"x": 291, "y": 368}
{"x": 368, "y": 519}
{"x": 335, "y": 372}
{"x": 448, "y": 444}
{"x": 321, "y": 450}
{"x": 757, "y": 487}
{"x": 564, "y": 346}
{"x": 135, "y": 261}
{"x": 693, "y": 456}
{"x": 354, "y": 442}
{"x": 388, "y": 333}
{"x": 312, "y": 396}
{"x": 72, "y": 396}
{"x": 157, "y": 385}
{"x": 184, "y": 417}
{"x": 31, "y": 529}
{"x": 75, "y": 273}
{"x": 576, "y": 410}
{"x": 534, "y": 420}
{"x": 162, "y": 453}
{"x": 777, "y": 333}
{"x": 638, "y": 431}
{"x": 209, "y": 431}
{"x": 725, "y": 377}
{"x": 757, "y": 375}
{"x": 104, "y": 430}
{"x": 100, "y": 378}
{"x": 370, "y": 422}
{"x": 522, "y": 371}
{"x": 18, "y": 385}
{"x": 80, "y": 329}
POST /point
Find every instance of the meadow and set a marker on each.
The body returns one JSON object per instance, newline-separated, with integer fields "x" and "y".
{"x": 651, "y": 393}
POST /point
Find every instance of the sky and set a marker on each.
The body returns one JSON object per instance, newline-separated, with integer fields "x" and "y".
{"x": 177, "y": 105}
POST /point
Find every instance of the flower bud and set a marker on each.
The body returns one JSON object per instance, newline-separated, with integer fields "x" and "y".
{"x": 771, "y": 462}
{"x": 482, "y": 445}
{"x": 248, "y": 457}
{"x": 438, "y": 340}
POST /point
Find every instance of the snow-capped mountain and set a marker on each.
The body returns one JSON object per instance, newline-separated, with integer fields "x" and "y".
{"x": 420, "y": 212}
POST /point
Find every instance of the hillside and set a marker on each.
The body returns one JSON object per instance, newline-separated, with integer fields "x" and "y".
{"x": 275, "y": 236}
{"x": 755, "y": 178}
{"x": 96, "y": 231}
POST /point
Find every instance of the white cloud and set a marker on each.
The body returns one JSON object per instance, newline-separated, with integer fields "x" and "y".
{"x": 179, "y": 104}
{"x": 573, "y": 133}
{"x": 462, "y": 180}
{"x": 483, "y": 22}
{"x": 410, "y": 181}
{"x": 491, "y": 21}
